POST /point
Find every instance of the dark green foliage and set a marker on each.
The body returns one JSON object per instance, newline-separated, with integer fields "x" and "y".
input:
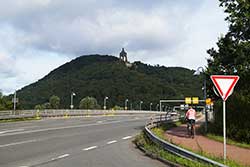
{"x": 99, "y": 76}
{"x": 233, "y": 58}
{"x": 88, "y": 103}
{"x": 38, "y": 107}
{"x": 5, "y": 103}
{"x": 54, "y": 102}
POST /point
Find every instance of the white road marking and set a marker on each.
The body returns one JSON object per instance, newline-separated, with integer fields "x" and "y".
{"x": 17, "y": 143}
{"x": 12, "y": 130}
{"x": 89, "y": 148}
{"x": 111, "y": 142}
{"x": 127, "y": 137}
{"x": 60, "y": 157}
{"x": 99, "y": 121}
{"x": 23, "y": 166}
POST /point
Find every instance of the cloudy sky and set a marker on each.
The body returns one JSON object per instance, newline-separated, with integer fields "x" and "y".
{"x": 40, "y": 35}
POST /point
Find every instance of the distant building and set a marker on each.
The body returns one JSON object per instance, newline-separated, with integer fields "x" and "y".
{"x": 123, "y": 56}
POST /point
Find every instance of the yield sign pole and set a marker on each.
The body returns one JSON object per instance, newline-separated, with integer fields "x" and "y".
{"x": 224, "y": 84}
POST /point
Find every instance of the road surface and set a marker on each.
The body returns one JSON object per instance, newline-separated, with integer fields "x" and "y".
{"x": 84, "y": 141}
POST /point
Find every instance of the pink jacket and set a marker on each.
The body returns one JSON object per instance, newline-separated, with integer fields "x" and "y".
{"x": 191, "y": 114}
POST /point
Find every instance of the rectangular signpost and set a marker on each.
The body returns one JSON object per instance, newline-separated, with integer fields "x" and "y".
{"x": 224, "y": 85}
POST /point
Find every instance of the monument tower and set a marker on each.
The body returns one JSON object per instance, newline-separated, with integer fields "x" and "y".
{"x": 123, "y": 56}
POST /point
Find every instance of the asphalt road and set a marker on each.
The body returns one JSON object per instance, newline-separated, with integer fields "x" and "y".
{"x": 84, "y": 141}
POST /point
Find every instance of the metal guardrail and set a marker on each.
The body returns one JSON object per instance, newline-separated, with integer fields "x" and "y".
{"x": 175, "y": 149}
{"x": 68, "y": 112}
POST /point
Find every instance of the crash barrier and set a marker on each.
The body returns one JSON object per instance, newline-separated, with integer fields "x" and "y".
{"x": 60, "y": 113}
{"x": 171, "y": 147}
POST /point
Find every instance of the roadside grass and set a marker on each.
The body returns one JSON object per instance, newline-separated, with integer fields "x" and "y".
{"x": 143, "y": 141}
{"x": 218, "y": 138}
{"x": 160, "y": 132}
{"x": 229, "y": 141}
{"x": 19, "y": 119}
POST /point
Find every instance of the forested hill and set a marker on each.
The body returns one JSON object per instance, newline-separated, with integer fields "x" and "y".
{"x": 102, "y": 75}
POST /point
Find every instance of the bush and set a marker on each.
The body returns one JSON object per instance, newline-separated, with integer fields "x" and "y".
{"x": 89, "y": 103}
{"x": 237, "y": 118}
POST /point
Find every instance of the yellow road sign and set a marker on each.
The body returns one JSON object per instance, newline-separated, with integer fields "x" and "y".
{"x": 188, "y": 100}
{"x": 209, "y": 101}
{"x": 195, "y": 100}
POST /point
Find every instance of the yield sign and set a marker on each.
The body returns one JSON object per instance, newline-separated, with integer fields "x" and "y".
{"x": 224, "y": 84}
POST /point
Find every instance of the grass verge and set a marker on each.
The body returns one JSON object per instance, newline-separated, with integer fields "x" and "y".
{"x": 229, "y": 141}
{"x": 156, "y": 151}
{"x": 220, "y": 138}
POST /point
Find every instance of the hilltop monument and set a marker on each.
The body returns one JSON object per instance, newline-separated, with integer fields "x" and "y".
{"x": 123, "y": 56}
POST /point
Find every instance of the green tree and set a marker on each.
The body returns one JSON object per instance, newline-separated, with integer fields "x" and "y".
{"x": 38, "y": 107}
{"x": 233, "y": 58}
{"x": 46, "y": 105}
{"x": 54, "y": 102}
{"x": 88, "y": 103}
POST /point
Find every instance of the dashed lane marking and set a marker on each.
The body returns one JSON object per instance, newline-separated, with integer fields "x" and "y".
{"x": 89, "y": 148}
{"x": 17, "y": 143}
{"x": 111, "y": 142}
{"x": 12, "y": 130}
{"x": 127, "y": 137}
{"x": 60, "y": 157}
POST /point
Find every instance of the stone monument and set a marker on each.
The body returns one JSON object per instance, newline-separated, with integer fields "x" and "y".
{"x": 123, "y": 56}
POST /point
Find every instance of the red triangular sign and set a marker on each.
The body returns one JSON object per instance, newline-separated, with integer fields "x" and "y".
{"x": 224, "y": 84}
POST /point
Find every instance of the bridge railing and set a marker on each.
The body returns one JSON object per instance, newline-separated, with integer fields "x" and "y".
{"x": 68, "y": 112}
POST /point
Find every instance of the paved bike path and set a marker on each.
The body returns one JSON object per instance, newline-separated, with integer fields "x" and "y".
{"x": 178, "y": 135}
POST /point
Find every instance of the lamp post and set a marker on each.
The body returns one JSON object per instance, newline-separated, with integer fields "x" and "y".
{"x": 157, "y": 107}
{"x": 104, "y": 103}
{"x": 126, "y": 104}
{"x": 71, "y": 100}
{"x": 198, "y": 72}
{"x": 151, "y": 106}
{"x": 141, "y": 104}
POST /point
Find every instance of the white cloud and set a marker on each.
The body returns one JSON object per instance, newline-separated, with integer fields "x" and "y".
{"x": 43, "y": 34}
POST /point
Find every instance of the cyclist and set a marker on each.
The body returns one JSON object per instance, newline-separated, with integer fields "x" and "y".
{"x": 190, "y": 117}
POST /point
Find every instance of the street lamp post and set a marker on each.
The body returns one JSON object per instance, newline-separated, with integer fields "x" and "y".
{"x": 151, "y": 106}
{"x": 104, "y": 103}
{"x": 198, "y": 72}
{"x": 126, "y": 104}
{"x": 71, "y": 100}
{"x": 157, "y": 107}
{"x": 141, "y": 104}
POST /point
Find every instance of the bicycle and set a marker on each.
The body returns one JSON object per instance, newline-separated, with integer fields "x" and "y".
{"x": 190, "y": 128}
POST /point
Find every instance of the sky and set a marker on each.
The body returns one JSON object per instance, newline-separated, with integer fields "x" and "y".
{"x": 38, "y": 36}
